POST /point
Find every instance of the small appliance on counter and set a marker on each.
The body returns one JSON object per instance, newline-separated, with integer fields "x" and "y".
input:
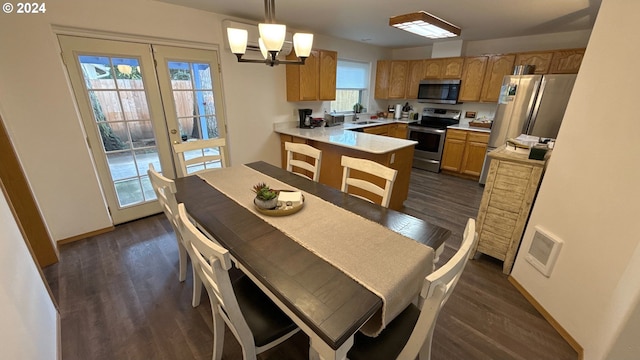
{"x": 305, "y": 118}
{"x": 333, "y": 119}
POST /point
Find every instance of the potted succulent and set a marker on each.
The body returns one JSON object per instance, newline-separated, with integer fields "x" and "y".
{"x": 266, "y": 198}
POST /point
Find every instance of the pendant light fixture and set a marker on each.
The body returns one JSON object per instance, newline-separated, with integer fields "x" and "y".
{"x": 424, "y": 24}
{"x": 271, "y": 40}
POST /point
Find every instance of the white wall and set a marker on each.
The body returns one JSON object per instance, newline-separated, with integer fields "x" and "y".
{"x": 590, "y": 196}
{"x": 28, "y": 329}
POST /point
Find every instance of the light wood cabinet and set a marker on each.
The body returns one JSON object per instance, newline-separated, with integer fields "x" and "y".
{"x": 377, "y": 130}
{"x": 443, "y": 68}
{"x": 382, "y": 79}
{"x": 315, "y": 80}
{"x": 398, "y": 130}
{"x": 512, "y": 183}
{"x": 415, "y": 73}
{"x": 391, "y": 79}
{"x": 566, "y": 61}
{"x": 398, "y": 72}
{"x": 473, "y": 73}
{"x": 464, "y": 152}
{"x": 497, "y": 67}
{"x": 541, "y": 60}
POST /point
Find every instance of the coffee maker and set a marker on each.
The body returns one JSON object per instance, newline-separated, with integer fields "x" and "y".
{"x": 305, "y": 118}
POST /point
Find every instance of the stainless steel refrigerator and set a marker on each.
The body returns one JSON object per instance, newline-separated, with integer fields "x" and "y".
{"x": 529, "y": 104}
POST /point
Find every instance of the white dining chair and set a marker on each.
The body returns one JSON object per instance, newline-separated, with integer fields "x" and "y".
{"x": 256, "y": 322}
{"x": 200, "y": 155}
{"x": 300, "y": 166}
{"x": 409, "y": 335}
{"x": 369, "y": 167}
{"x": 165, "y": 190}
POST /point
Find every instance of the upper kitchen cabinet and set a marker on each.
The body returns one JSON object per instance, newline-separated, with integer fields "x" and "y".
{"x": 472, "y": 77}
{"x": 541, "y": 60}
{"x": 391, "y": 78}
{"x": 415, "y": 74}
{"x": 443, "y": 68}
{"x": 382, "y": 79}
{"x": 398, "y": 71}
{"x": 497, "y": 67}
{"x": 315, "y": 80}
{"x": 566, "y": 61}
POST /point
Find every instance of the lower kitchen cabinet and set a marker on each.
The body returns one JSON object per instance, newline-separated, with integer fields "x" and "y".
{"x": 464, "y": 152}
{"x": 377, "y": 130}
{"x": 398, "y": 130}
{"x": 509, "y": 193}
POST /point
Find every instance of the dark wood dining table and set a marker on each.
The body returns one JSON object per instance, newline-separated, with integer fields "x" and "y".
{"x": 326, "y": 303}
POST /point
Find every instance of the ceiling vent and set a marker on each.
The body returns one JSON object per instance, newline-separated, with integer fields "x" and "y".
{"x": 253, "y": 35}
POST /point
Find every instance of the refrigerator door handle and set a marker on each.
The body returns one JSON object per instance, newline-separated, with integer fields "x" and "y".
{"x": 535, "y": 108}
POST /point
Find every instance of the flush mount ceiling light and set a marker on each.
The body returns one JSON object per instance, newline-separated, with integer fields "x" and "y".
{"x": 271, "y": 39}
{"x": 424, "y": 24}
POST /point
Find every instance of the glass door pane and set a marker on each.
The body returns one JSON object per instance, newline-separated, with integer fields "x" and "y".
{"x": 190, "y": 87}
{"x": 120, "y": 105}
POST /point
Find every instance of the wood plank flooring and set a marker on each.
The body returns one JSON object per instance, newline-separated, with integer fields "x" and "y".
{"x": 120, "y": 298}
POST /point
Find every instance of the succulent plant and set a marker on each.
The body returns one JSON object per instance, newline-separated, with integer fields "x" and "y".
{"x": 264, "y": 192}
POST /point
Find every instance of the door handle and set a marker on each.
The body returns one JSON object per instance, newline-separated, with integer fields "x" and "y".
{"x": 174, "y": 131}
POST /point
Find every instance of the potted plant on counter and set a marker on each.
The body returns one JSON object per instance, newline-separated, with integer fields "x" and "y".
{"x": 266, "y": 198}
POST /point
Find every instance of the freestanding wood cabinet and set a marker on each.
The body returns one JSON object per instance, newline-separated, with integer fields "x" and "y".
{"x": 511, "y": 187}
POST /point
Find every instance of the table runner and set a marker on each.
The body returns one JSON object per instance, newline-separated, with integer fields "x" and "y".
{"x": 388, "y": 264}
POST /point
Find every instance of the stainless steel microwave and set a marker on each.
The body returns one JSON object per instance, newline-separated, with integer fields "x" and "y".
{"x": 439, "y": 91}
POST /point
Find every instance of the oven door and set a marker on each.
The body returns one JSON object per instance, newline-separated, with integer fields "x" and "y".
{"x": 428, "y": 150}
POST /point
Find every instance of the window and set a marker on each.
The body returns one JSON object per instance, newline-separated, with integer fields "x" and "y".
{"x": 352, "y": 85}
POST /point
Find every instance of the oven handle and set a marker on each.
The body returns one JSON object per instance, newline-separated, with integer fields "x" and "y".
{"x": 426, "y": 130}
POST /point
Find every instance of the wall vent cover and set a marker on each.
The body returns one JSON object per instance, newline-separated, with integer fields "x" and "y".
{"x": 543, "y": 251}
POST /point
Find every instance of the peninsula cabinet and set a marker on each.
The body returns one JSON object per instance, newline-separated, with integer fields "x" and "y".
{"x": 509, "y": 193}
{"x": 473, "y": 73}
{"x": 464, "y": 152}
{"x": 497, "y": 67}
{"x": 315, "y": 80}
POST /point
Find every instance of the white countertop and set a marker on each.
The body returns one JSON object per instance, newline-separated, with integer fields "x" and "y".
{"x": 469, "y": 128}
{"x": 340, "y": 136}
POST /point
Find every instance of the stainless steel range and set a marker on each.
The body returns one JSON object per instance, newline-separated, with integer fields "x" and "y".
{"x": 430, "y": 132}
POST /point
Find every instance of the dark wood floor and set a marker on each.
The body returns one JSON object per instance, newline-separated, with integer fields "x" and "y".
{"x": 120, "y": 298}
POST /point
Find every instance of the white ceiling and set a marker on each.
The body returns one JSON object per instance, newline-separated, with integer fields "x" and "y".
{"x": 367, "y": 20}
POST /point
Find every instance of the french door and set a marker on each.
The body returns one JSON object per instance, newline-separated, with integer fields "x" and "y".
{"x": 135, "y": 100}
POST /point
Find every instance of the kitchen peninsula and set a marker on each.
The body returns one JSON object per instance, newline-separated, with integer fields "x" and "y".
{"x": 339, "y": 140}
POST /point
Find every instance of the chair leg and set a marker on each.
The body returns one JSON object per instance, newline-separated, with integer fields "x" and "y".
{"x": 197, "y": 288}
{"x": 182, "y": 261}
{"x": 218, "y": 333}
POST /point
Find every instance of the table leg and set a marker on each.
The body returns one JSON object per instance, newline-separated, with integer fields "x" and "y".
{"x": 319, "y": 350}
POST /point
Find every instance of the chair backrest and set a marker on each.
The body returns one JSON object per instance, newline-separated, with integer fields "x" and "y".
{"x": 307, "y": 151}
{"x": 438, "y": 285}
{"x": 212, "y": 263}
{"x": 165, "y": 190}
{"x": 200, "y": 155}
{"x": 372, "y": 168}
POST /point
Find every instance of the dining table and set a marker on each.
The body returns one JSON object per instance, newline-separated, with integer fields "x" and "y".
{"x": 337, "y": 266}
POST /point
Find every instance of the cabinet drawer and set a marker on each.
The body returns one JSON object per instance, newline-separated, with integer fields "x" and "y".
{"x": 457, "y": 134}
{"x": 476, "y": 136}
